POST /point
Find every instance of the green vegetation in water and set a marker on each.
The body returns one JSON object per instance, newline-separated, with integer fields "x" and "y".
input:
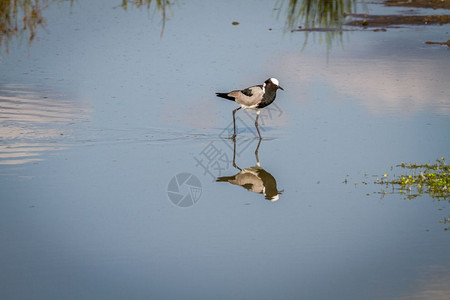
{"x": 431, "y": 179}
{"x": 18, "y": 16}
{"x": 161, "y": 5}
{"x": 25, "y": 17}
{"x": 324, "y": 16}
{"x": 317, "y": 13}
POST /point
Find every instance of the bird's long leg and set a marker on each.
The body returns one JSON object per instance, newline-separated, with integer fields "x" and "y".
{"x": 234, "y": 123}
{"x": 234, "y": 155}
{"x": 256, "y": 153}
{"x": 256, "y": 123}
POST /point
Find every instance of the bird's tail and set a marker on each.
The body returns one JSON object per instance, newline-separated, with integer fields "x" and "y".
{"x": 225, "y": 96}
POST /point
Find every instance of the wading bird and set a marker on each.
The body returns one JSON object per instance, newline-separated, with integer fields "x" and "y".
{"x": 253, "y": 98}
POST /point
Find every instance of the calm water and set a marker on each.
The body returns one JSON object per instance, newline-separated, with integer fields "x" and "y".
{"x": 100, "y": 114}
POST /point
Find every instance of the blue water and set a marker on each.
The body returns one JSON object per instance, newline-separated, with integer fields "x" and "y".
{"x": 101, "y": 112}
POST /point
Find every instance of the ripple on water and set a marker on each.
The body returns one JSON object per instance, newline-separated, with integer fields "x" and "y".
{"x": 34, "y": 121}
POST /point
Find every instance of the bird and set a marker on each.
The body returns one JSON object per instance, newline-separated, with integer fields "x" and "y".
{"x": 253, "y": 98}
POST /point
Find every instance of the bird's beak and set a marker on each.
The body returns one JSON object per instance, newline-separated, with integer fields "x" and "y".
{"x": 280, "y": 88}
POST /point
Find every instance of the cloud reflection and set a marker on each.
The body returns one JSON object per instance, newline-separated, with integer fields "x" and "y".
{"x": 432, "y": 284}
{"x": 33, "y": 122}
{"x": 381, "y": 84}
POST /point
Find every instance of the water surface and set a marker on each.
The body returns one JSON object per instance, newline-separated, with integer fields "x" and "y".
{"x": 99, "y": 113}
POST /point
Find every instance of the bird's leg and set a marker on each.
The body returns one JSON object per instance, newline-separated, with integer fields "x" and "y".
{"x": 234, "y": 123}
{"x": 256, "y": 123}
{"x": 234, "y": 155}
{"x": 256, "y": 153}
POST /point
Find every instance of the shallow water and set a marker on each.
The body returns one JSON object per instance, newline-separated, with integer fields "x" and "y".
{"x": 100, "y": 115}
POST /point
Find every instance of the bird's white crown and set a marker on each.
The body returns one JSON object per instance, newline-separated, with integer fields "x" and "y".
{"x": 275, "y": 81}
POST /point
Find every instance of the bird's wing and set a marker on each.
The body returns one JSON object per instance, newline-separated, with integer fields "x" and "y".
{"x": 249, "y": 181}
{"x": 247, "y": 92}
{"x": 249, "y": 96}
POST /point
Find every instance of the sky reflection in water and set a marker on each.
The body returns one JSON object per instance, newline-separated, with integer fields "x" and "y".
{"x": 33, "y": 122}
{"x": 132, "y": 110}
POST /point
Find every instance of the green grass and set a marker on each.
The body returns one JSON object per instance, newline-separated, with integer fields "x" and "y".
{"x": 418, "y": 179}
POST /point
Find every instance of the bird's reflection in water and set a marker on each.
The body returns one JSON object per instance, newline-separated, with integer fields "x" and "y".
{"x": 254, "y": 179}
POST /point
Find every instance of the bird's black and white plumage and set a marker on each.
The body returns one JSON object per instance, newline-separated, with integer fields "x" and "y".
{"x": 255, "y": 179}
{"x": 254, "y": 98}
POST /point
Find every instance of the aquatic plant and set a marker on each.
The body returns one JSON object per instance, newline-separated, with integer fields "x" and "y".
{"x": 18, "y": 16}
{"x": 161, "y": 5}
{"x": 324, "y": 16}
{"x": 432, "y": 179}
{"x": 317, "y": 13}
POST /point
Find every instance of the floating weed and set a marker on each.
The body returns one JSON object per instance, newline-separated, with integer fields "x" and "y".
{"x": 431, "y": 179}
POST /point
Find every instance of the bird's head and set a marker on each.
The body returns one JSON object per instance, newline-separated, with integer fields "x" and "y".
{"x": 273, "y": 82}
